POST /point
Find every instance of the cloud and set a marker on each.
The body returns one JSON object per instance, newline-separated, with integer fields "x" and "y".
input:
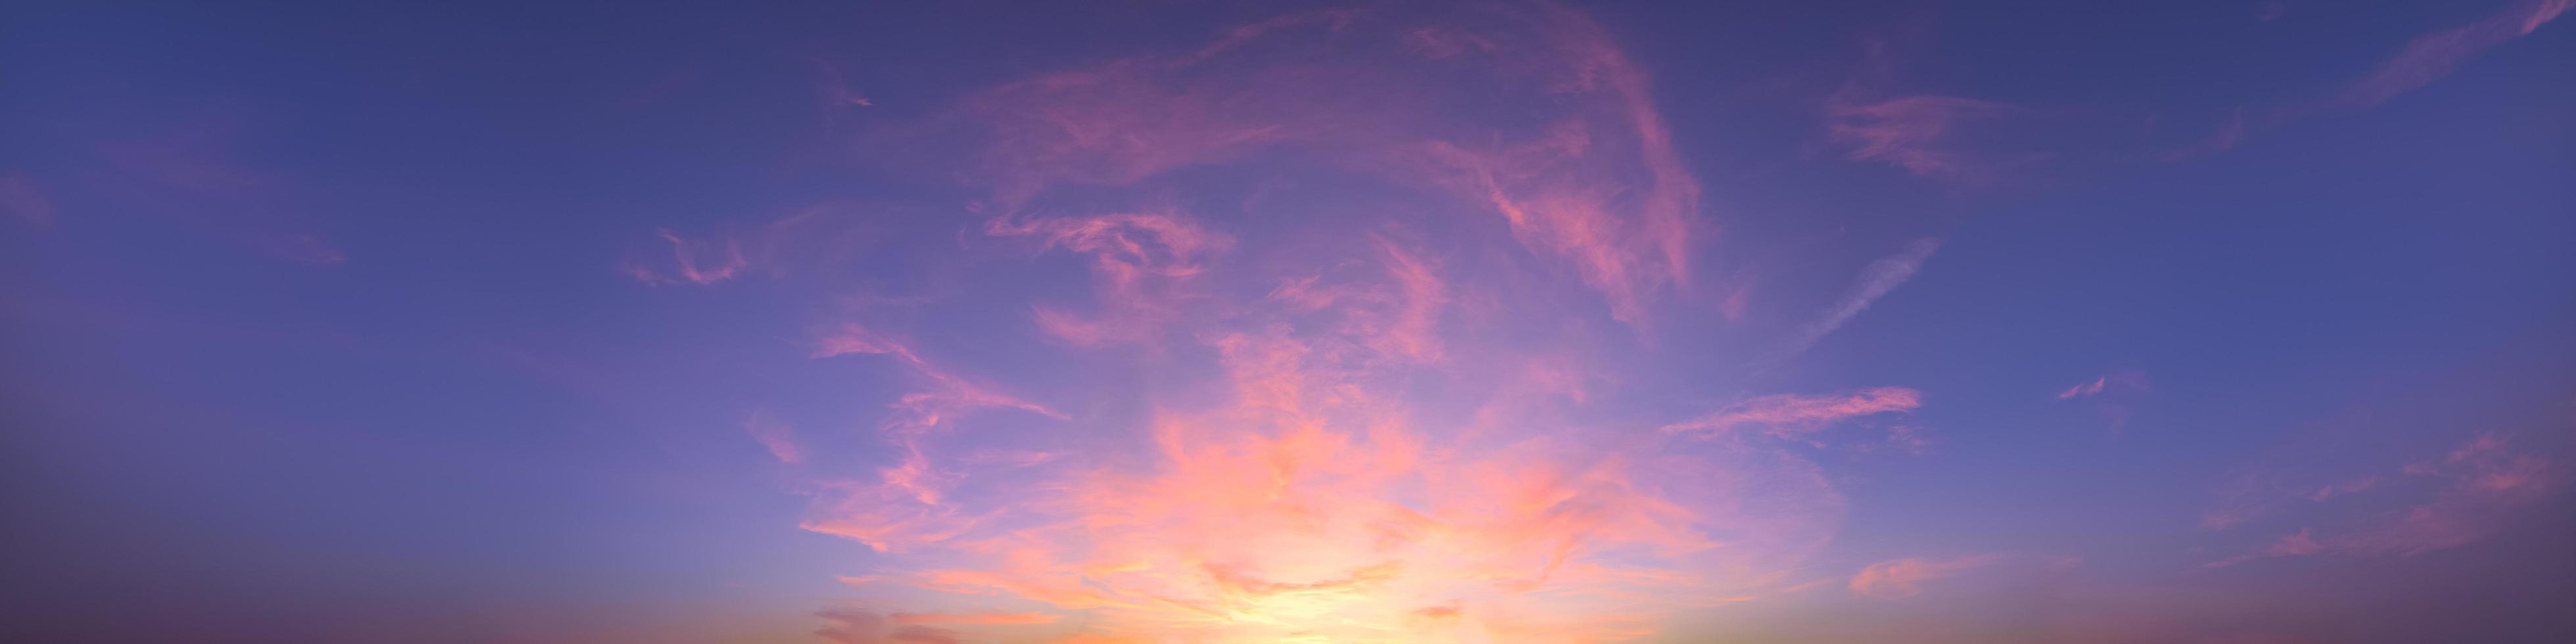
{"x": 776, "y": 435}
{"x": 695, "y": 261}
{"x": 2129, "y": 381}
{"x": 1876, "y": 281}
{"x": 2422, "y": 61}
{"x": 907, "y": 506}
{"x": 1899, "y": 578}
{"x": 1339, "y": 426}
{"x": 1784, "y": 414}
{"x": 985, "y": 617}
{"x": 809, "y": 240}
{"x": 1918, "y": 133}
{"x": 2476, "y": 490}
{"x": 1594, "y": 181}
{"x": 1143, "y": 264}
{"x": 2431, "y": 56}
{"x": 2119, "y": 385}
{"x": 1395, "y": 309}
{"x": 1903, "y": 578}
{"x": 850, "y": 626}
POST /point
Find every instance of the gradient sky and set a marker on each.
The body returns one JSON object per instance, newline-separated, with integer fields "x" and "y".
{"x": 2227, "y": 321}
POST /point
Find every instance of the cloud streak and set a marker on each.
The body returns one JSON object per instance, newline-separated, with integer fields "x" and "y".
{"x": 1789, "y": 414}
{"x": 1876, "y": 280}
{"x": 2431, "y": 56}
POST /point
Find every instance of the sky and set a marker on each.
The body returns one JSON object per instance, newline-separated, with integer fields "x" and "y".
{"x": 1143, "y": 321}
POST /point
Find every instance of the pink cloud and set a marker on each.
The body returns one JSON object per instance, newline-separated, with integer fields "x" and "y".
{"x": 2129, "y": 381}
{"x": 1143, "y": 264}
{"x": 695, "y": 261}
{"x": 1342, "y": 436}
{"x": 1900, "y": 578}
{"x": 1599, "y": 186}
{"x": 907, "y": 507}
{"x": 1015, "y": 458}
{"x": 776, "y": 435}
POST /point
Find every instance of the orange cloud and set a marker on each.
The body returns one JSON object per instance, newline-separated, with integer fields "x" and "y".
{"x": 1305, "y": 502}
{"x": 988, "y": 617}
{"x": 1346, "y": 454}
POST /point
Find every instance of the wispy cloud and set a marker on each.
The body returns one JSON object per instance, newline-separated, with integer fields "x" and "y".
{"x": 1921, "y": 134}
{"x": 1904, "y": 578}
{"x": 1900, "y": 578}
{"x": 776, "y": 435}
{"x": 1143, "y": 264}
{"x": 2431, "y": 56}
{"x": 2111, "y": 395}
{"x": 1876, "y": 281}
{"x": 2476, "y": 489}
{"x": 695, "y": 261}
{"x": 985, "y": 617}
{"x": 1595, "y": 184}
{"x": 1794, "y": 413}
{"x": 2421, "y": 62}
{"x": 907, "y": 506}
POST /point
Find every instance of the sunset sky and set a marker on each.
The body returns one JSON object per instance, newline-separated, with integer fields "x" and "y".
{"x": 1148, "y": 321}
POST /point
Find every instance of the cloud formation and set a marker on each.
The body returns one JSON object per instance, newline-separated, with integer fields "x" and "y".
{"x": 1592, "y": 182}
{"x": 2476, "y": 490}
{"x": 2431, "y": 56}
{"x": 1350, "y": 428}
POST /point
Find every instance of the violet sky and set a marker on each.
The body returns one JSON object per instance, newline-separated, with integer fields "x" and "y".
{"x": 2224, "y": 321}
